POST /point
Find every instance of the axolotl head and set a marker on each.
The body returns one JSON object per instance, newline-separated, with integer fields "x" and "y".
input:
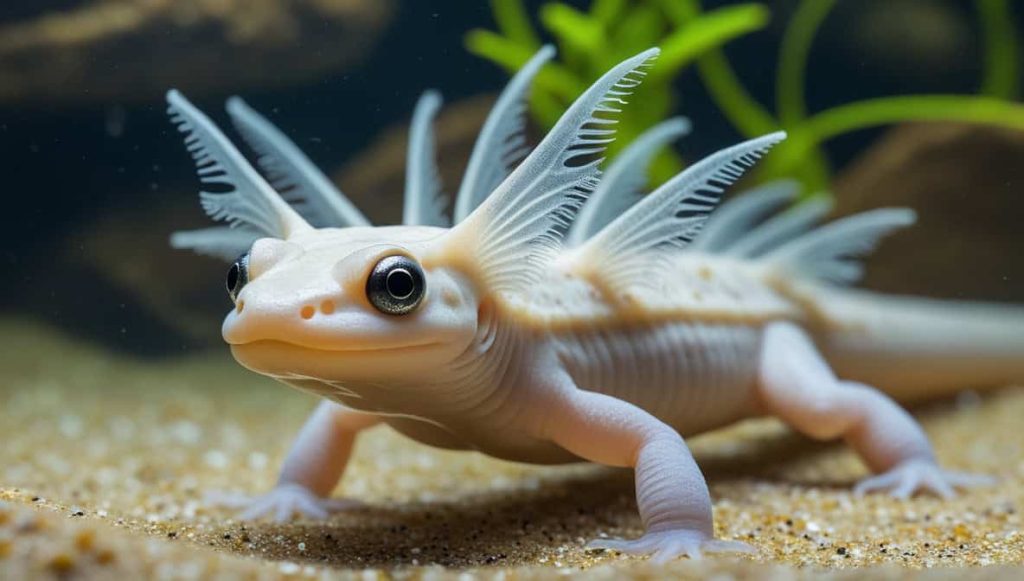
{"x": 348, "y": 304}
{"x": 360, "y": 308}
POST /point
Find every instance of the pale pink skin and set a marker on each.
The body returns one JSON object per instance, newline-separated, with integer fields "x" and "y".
{"x": 622, "y": 395}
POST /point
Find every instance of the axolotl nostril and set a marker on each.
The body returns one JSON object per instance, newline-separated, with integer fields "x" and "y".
{"x": 563, "y": 317}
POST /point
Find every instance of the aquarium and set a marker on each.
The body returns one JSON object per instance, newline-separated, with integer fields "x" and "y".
{"x": 512, "y": 289}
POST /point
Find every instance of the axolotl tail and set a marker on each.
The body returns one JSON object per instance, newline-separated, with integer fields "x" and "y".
{"x": 916, "y": 349}
{"x": 911, "y": 348}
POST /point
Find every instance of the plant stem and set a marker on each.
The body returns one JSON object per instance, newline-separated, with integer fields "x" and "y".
{"x": 514, "y": 23}
{"x": 887, "y": 110}
{"x": 1001, "y": 49}
{"x": 748, "y": 116}
{"x": 796, "y": 46}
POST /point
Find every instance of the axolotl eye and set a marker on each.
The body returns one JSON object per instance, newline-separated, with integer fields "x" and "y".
{"x": 238, "y": 276}
{"x": 396, "y": 285}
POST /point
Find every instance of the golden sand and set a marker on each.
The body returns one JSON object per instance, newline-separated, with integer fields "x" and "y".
{"x": 105, "y": 461}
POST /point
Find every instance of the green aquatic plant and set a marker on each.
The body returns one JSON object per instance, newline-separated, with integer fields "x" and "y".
{"x": 593, "y": 41}
{"x": 690, "y": 35}
{"x": 803, "y": 157}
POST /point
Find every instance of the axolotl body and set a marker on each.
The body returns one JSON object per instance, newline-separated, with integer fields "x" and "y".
{"x": 563, "y": 317}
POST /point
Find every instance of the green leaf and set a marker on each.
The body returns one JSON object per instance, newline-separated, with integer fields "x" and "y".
{"x": 514, "y": 22}
{"x": 681, "y": 11}
{"x": 640, "y": 29}
{"x": 745, "y": 113}
{"x": 708, "y": 31}
{"x": 511, "y": 56}
{"x": 607, "y": 11}
{"x": 498, "y": 49}
{"x": 574, "y": 29}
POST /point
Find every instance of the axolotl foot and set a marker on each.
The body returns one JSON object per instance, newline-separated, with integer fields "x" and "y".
{"x": 913, "y": 476}
{"x": 282, "y": 504}
{"x": 671, "y": 544}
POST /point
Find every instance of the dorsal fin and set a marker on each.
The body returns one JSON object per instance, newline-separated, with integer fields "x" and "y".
{"x": 823, "y": 253}
{"x": 291, "y": 173}
{"x": 505, "y": 243}
{"x": 249, "y": 199}
{"x": 502, "y": 140}
{"x": 222, "y": 242}
{"x": 622, "y": 184}
{"x": 424, "y": 202}
{"x": 670, "y": 216}
{"x": 780, "y": 229}
{"x": 737, "y": 216}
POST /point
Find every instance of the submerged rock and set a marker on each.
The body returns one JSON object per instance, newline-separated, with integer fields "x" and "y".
{"x": 132, "y": 50}
{"x": 964, "y": 181}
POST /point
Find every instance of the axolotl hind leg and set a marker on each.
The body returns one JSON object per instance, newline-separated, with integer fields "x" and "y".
{"x": 797, "y": 385}
{"x": 311, "y": 470}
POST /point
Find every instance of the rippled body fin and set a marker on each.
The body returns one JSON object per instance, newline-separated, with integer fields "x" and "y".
{"x": 669, "y": 217}
{"x": 622, "y": 184}
{"x": 239, "y": 194}
{"x": 502, "y": 140}
{"x": 509, "y": 238}
{"x": 291, "y": 173}
{"x": 826, "y": 253}
{"x": 779, "y": 229}
{"x": 738, "y": 215}
{"x": 424, "y": 202}
{"x": 222, "y": 242}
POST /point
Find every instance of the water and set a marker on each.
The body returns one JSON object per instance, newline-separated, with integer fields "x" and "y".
{"x": 120, "y": 404}
{"x": 96, "y": 179}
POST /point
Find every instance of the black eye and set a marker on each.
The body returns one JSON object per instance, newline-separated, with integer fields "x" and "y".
{"x": 396, "y": 285}
{"x": 238, "y": 276}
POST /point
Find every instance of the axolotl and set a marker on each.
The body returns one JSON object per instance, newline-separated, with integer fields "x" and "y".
{"x": 561, "y": 316}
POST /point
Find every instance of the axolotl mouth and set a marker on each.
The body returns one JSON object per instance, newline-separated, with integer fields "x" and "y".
{"x": 356, "y": 333}
{"x": 282, "y": 359}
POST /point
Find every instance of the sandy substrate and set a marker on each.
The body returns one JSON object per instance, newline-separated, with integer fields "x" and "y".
{"x": 104, "y": 464}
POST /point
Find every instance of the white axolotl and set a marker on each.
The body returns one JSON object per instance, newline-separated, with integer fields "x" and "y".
{"x": 563, "y": 317}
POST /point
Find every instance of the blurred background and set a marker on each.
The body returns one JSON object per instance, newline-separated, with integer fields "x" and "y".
{"x": 96, "y": 178}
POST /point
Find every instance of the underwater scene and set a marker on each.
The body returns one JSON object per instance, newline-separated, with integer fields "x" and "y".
{"x": 512, "y": 289}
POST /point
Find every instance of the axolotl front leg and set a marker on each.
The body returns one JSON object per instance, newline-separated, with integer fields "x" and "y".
{"x": 795, "y": 384}
{"x": 671, "y": 493}
{"x": 311, "y": 470}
